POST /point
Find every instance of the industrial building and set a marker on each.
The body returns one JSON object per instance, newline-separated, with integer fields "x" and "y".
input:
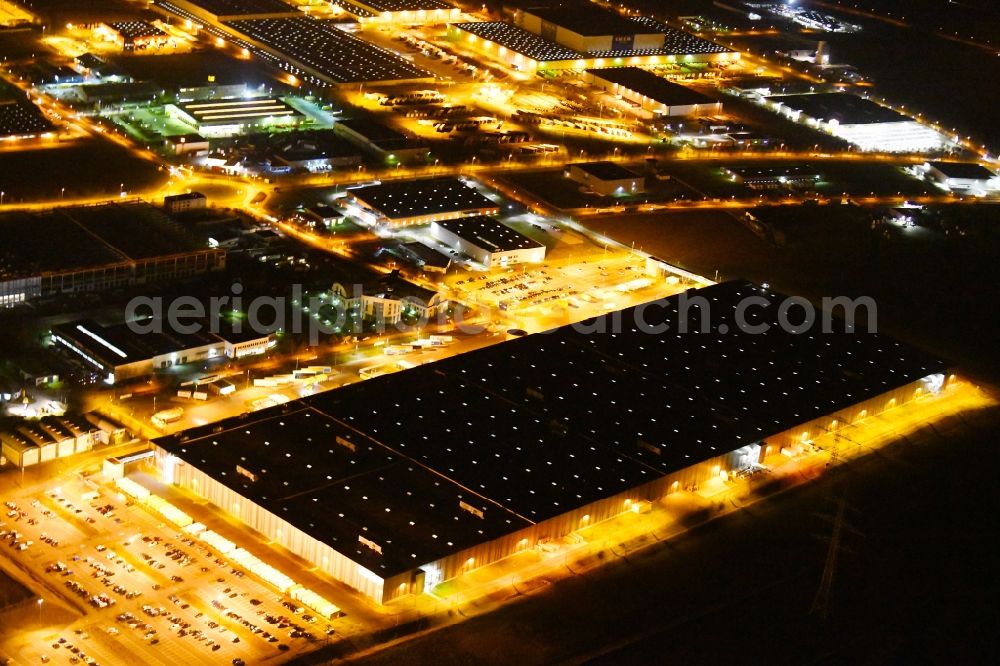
{"x": 95, "y": 248}
{"x": 230, "y": 10}
{"x": 132, "y": 35}
{"x": 20, "y": 119}
{"x": 606, "y": 178}
{"x": 402, "y": 203}
{"x": 400, "y": 12}
{"x": 320, "y": 151}
{"x": 860, "y": 121}
{"x": 963, "y": 176}
{"x": 653, "y": 93}
{"x": 770, "y": 177}
{"x": 226, "y": 117}
{"x": 590, "y": 29}
{"x": 388, "y": 299}
{"x": 529, "y": 51}
{"x": 380, "y": 140}
{"x": 31, "y": 442}
{"x": 412, "y": 478}
{"x": 180, "y": 203}
{"x": 319, "y": 53}
{"x": 139, "y": 349}
{"x": 488, "y": 241}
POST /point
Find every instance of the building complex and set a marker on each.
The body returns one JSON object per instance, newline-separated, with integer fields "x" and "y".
{"x": 394, "y": 484}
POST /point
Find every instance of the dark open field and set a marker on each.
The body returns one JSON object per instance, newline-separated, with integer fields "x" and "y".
{"x": 193, "y": 69}
{"x": 88, "y": 168}
{"x": 934, "y": 291}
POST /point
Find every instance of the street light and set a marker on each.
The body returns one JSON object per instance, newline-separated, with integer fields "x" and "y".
{"x": 40, "y": 600}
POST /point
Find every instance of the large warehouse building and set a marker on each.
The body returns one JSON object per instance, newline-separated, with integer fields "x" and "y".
{"x": 401, "y": 203}
{"x": 95, "y": 248}
{"x": 313, "y": 51}
{"x": 400, "y": 12}
{"x": 394, "y": 484}
{"x": 585, "y": 37}
{"x": 488, "y": 241}
{"x": 860, "y": 121}
{"x": 653, "y": 93}
{"x": 227, "y": 117}
{"x": 125, "y": 351}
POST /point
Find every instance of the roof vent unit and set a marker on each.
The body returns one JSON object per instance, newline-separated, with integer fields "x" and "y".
{"x": 346, "y": 443}
{"x": 478, "y": 513}
{"x": 646, "y": 446}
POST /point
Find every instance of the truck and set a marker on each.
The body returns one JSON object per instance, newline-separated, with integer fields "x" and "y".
{"x": 166, "y": 416}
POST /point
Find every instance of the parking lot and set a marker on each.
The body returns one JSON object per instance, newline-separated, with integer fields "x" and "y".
{"x": 140, "y": 586}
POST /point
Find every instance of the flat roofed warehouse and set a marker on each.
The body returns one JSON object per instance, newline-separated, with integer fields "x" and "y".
{"x": 222, "y": 10}
{"x": 132, "y": 30}
{"x": 653, "y": 92}
{"x": 400, "y": 11}
{"x": 403, "y": 5}
{"x": 488, "y": 241}
{"x": 860, "y": 121}
{"x": 588, "y": 20}
{"x": 420, "y": 201}
{"x": 229, "y": 112}
{"x": 526, "y": 50}
{"x": 392, "y": 488}
{"x": 92, "y": 248}
{"x": 519, "y": 40}
{"x": 603, "y": 32}
{"x": 21, "y": 118}
{"x": 844, "y": 108}
{"x": 379, "y": 138}
{"x": 326, "y": 52}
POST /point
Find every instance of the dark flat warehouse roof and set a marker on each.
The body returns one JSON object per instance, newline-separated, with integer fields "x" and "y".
{"x": 136, "y": 29}
{"x": 845, "y": 108}
{"x": 967, "y": 170}
{"x": 488, "y": 233}
{"x": 244, "y": 7}
{"x": 402, "y": 199}
{"x": 605, "y": 170}
{"x": 404, "y": 5}
{"x": 120, "y": 344}
{"x": 69, "y": 238}
{"x": 532, "y": 428}
{"x": 331, "y": 52}
{"x": 650, "y": 85}
{"x": 519, "y": 40}
{"x": 590, "y": 21}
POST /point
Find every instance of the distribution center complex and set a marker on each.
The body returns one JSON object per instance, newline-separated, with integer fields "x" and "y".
{"x": 394, "y": 484}
{"x": 488, "y": 241}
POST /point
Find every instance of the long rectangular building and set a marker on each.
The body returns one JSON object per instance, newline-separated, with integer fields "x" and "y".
{"x": 399, "y": 482}
{"x": 420, "y": 201}
{"x": 530, "y": 51}
{"x": 488, "y": 241}
{"x": 860, "y": 121}
{"x": 95, "y": 248}
{"x": 654, "y": 93}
